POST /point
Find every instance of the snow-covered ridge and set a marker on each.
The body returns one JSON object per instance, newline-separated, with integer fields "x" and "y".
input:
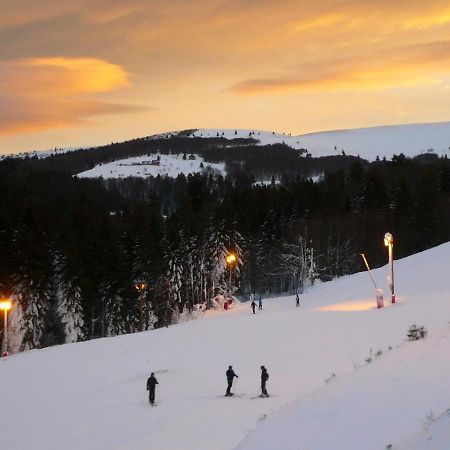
{"x": 368, "y": 143}
{"x": 92, "y": 394}
{"x": 41, "y": 154}
{"x": 383, "y": 141}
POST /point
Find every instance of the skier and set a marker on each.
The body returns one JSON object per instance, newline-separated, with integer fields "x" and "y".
{"x": 253, "y": 305}
{"x": 260, "y": 303}
{"x": 230, "y": 377}
{"x": 264, "y": 378}
{"x": 297, "y": 300}
{"x": 151, "y": 384}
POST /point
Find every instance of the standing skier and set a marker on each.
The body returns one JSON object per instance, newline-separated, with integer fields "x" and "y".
{"x": 151, "y": 384}
{"x": 297, "y": 300}
{"x": 253, "y": 305}
{"x": 230, "y": 377}
{"x": 264, "y": 378}
{"x": 260, "y": 303}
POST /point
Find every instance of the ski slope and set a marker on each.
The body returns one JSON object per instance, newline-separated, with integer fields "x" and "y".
{"x": 92, "y": 395}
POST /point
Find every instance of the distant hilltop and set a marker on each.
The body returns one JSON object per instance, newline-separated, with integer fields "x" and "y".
{"x": 368, "y": 143}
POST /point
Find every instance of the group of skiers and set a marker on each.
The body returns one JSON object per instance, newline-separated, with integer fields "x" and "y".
{"x": 253, "y": 304}
{"x": 230, "y": 374}
{"x": 152, "y": 381}
{"x": 230, "y": 378}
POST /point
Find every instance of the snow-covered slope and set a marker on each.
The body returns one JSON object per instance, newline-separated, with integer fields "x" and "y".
{"x": 40, "y": 153}
{"x": 411, "y": 140}
{"x": 140, "y": 166}
{"x": 92, "y": 395}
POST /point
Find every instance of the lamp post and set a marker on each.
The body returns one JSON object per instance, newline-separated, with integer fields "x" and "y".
{"x": 5, "y": 305}
{"x": 141, "y": 287}
{"x": 231, "y": 259}
{"x": 389, "y": 243}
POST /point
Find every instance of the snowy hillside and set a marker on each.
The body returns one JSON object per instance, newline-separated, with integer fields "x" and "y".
{"x": 141, "y": 166}
{"x": 92, "y": 395}
{"x": 411, "y": 140}
{"x": 40, "y": 153}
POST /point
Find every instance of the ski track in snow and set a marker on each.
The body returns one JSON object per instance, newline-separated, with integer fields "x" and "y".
{"x": 92, "y": 395}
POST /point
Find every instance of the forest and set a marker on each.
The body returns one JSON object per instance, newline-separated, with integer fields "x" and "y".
{"x": 74, "y": 249}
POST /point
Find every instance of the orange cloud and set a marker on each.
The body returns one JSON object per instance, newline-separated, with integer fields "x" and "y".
{"x": 31, "y": 115}
{"x": 41, "y": 93}
{"x": 60, "y": 76}
{"x": 415, "y": 65}
{"x": 185, "y": 54}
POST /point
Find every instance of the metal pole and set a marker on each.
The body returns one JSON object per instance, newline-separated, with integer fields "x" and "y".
{"x": 141, "y": 310}
{"x": 5, "y": 335}
{"x": 368, "y": 269}
{"x": 229, "y": 281}
{"x": 391, "y": 271}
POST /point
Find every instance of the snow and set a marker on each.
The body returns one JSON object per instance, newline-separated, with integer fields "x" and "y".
{"x": 170, "y": 166}
{"x": 368, "y": 143}
{"x": 41, "y": 154}
{"x": 92, "y": 394}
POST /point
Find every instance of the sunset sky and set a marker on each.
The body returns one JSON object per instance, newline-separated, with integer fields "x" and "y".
{"x": 77, "y": 73}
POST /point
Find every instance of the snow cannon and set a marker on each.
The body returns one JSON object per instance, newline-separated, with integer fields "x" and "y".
{"x": 379, "y": 298}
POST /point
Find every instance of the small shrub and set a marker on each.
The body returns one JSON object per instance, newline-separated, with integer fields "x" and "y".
{"x": 416, "y": 332}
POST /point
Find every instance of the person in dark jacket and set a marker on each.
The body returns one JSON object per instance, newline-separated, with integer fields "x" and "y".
{"x": 297, "y": 300}
{"x": 253, "y": 305}
{"x": 260, "y": 303}
{"x": 264, "y": 378}
{"x": 230, "y": 377}
{"x": 151, "y": 384}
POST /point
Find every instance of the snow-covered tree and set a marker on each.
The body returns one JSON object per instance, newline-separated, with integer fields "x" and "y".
{"x": 221, "y": 239}
{"x": 298, "y": 259}
{"x": 32, "y": 300}
{"x": 70, "y": 311}
{"x": 32, "y": 283}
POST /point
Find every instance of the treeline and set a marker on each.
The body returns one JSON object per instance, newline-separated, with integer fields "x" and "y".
{"x": 73, "y": 249}
{"x": 241, "y": 156}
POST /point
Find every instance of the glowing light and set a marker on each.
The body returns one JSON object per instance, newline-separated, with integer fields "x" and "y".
{"x": 5, "y": 305}
{"x": 231, "y": 258}
{"x": 140, "y": 286}
{"x": 388, "y": 239}
{"x": 360, "y": 305}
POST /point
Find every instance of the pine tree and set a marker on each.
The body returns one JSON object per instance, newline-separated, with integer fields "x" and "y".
{"x": 70, "y": 311}
{"x": 33, "y": 288}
